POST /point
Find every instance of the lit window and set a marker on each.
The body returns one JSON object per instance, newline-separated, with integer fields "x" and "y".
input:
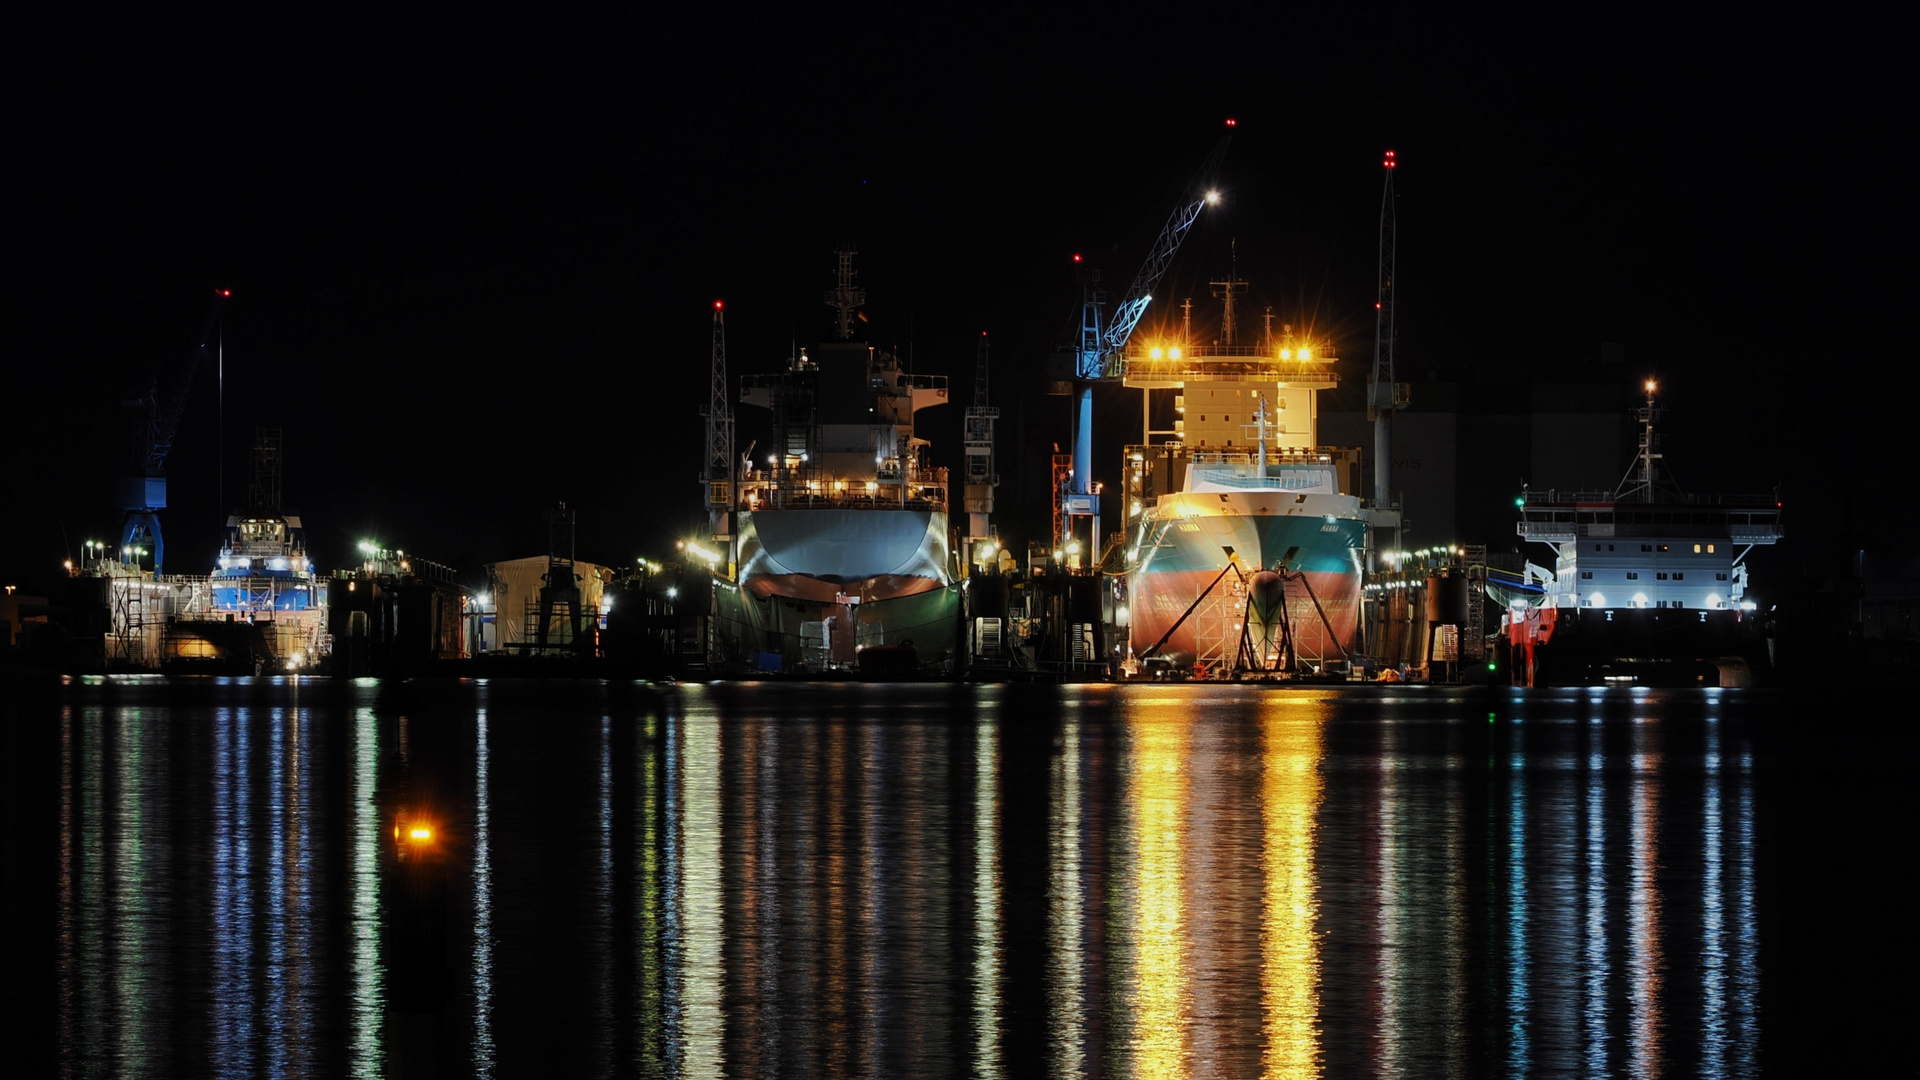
{"x": 1696, "y": 549}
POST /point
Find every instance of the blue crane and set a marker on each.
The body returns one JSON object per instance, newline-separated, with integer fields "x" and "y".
{"x": 143, "y": 492}
{"x": 1101, "y": 351}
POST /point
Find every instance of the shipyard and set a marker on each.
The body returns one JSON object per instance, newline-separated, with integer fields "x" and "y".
{"x": 1255, "y": 527}
{"x": 1074, "y": 542}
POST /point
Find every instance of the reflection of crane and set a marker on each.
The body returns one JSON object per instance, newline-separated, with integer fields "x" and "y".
{"x": 1101, "y": 351}
{"x": 143, "y": 492}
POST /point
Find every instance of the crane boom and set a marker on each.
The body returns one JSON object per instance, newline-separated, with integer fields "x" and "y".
{"x": 1102, "y": 352}
{"x": 144, "y": 493}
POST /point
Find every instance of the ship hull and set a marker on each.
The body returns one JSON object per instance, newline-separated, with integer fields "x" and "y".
{"x": 819, "y": 587}
{"x": 1183, "y": 548}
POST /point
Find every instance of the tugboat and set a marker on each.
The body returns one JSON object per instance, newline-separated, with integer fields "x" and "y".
{"x": 1648, "y": 585}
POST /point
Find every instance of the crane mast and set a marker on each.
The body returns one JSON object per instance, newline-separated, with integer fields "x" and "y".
{"x": 1100, "y": 353}
{"x": 1384, "y": 396}
{"x": 142, "y": 494}
{"x": 982, "y": 477}
{"x": 718, "y": 475}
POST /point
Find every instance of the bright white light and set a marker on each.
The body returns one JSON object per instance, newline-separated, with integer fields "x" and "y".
{"x": 1639, "y": 599}
{"x": 1213, "y": 198}
{"x": 1714, "y": 601}
{"x": 672, "y": 592}
{"x": 1748, "y": 605}
{"x": 1596, "y": 600}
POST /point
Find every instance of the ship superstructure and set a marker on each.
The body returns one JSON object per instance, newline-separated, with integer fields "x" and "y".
{"x": 263, "y": 576}
{"x": 842, "y": 539}
{"x": 1644, "y": 577}
{"x": 1240, "y": 483}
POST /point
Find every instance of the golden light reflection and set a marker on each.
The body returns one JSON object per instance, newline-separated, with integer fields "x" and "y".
{"x": 1159, "y": 794}
{"x": 1291, "y": 791}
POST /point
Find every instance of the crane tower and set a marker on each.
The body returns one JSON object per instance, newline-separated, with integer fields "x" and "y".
{"x": 982, "y": 477}
{"x": 718, "y": 474}
{"x": 1385, "y": 396}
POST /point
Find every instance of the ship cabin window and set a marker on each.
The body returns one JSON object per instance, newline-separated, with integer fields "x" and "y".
{"x": 1679, "y": 577}
{"x": 1609, "y": 547}
{"x": 1596, "y": 547}
{"x": 1719, "y": 577}
{"x": 1646, "y": 547}
{"x": 1586, "y": 573}
{"x": 1632, "y": 576}
{"x": 1696, "y": 549}
{"x": 1663, "y": 547}
{"x": 1659, "y": 577}
{"x": 1709, "y": 549}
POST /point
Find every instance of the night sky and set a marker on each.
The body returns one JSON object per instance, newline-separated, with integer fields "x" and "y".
{"x": 473, "y": 267}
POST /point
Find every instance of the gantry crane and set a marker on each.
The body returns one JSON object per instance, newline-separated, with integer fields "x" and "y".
{"x": 1100, "y": 354}
{"x": 142, "y": 494}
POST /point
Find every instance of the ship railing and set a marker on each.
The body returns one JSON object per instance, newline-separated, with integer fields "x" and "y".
{"x": 1320, "y": 354}
{"x": 926, "y": 489}
{"x": 1291, "y": 455}
{"x": 1557, "y": 497}
{"x": 1257, "y": 367}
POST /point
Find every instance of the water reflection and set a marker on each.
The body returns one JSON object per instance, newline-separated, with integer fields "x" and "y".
{"x": 1188, "y": 882}
{"x": 1291, "y": 783}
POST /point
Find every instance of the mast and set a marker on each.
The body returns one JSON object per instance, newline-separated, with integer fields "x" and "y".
{"x": 1644, "y": 462}
{"x": 1226, "y": 291}
{"x": 844, "y": 297}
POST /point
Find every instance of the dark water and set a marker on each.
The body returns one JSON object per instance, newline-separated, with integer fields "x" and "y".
{"x": 201, "y": 879}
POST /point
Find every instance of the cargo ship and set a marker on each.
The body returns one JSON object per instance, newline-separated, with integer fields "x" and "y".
{"x": 1648, "y": 583}
{"x": 844, "y": 554}
{"x": 1246, "y": 538}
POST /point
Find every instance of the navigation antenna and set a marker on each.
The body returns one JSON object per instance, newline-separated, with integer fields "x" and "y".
{"x": 1226, "y": 291}
{"x": 845, "y": 298}
{"x": 1384, "y": 396}
{"x": 719, "y": 413}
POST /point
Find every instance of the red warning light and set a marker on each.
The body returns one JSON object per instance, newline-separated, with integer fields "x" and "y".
{"x": 1389, "y": 161}
{"x": 224, "y": 293}
{"x": 1230, "y": 121}
{"x": 1376, "y": 306}
{"x": 1076, "y": 257}
{"x": 717, "y": 305}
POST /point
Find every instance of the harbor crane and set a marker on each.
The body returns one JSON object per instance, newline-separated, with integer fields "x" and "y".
{"x": 142, "y": 494}
{"x": 1100, "y": 353}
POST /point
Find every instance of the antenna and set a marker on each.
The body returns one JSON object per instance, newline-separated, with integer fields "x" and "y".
{"x": 1226, "y": 291}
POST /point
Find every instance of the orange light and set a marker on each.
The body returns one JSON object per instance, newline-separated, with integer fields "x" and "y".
{"x": 420, "y": 834}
